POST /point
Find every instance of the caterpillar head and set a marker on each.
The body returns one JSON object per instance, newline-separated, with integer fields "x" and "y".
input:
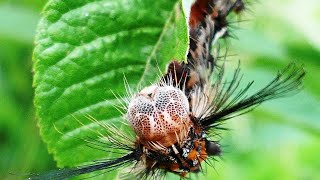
{"x": 159, "y": 115}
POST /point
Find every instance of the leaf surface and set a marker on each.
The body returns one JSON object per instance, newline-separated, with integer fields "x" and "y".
{"x": 83, "y": 51}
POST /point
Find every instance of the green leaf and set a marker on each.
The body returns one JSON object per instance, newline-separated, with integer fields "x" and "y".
{"x": 83, "y": 50}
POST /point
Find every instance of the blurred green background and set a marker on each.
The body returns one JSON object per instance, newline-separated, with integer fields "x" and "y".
{"x": 21, "y": 149}
{"x": 279, "y": 140}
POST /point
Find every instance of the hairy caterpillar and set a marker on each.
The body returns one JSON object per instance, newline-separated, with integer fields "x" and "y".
{"x": 173, "y": 118}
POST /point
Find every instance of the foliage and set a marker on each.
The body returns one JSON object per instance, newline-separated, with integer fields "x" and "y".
{"x": 278, "y": 140}
{"x": 83, "y": 50}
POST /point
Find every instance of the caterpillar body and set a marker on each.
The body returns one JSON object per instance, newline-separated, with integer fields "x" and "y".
{"x": 174, "y": 118}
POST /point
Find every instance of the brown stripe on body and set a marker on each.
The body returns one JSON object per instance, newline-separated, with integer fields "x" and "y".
{"x": 207, "y": 19}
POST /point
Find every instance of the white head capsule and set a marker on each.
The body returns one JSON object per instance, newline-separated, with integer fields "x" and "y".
{"x": 159, "y": 115}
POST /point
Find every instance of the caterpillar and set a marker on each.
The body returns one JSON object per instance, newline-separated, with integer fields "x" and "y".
{"x": 174, "y": 118}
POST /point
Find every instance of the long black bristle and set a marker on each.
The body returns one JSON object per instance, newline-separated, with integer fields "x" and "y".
{"x": 63, "y": 174}
{"x": 228, "y": 106}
